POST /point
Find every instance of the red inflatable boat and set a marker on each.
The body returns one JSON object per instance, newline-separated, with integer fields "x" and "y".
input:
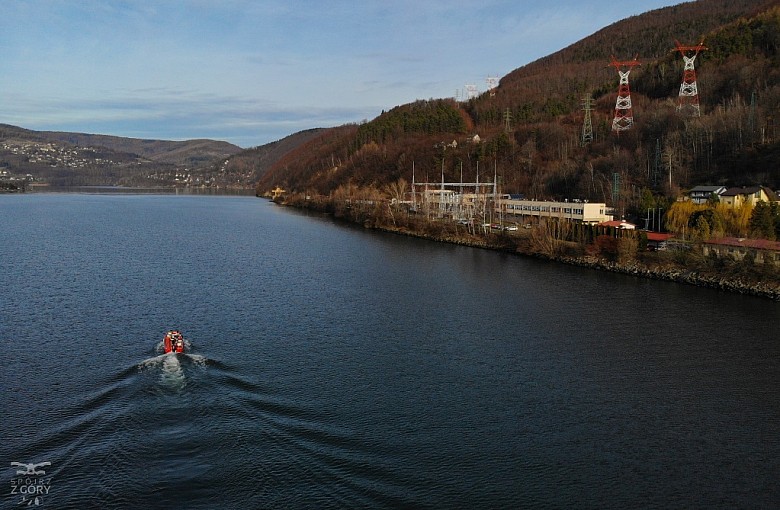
{"x": 173, "y": 342}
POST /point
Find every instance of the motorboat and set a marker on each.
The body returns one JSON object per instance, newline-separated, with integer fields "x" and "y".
{"x": 173, "y": 341}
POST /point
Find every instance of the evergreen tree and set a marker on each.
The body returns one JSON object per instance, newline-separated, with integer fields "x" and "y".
{"x": 763, "y": 222}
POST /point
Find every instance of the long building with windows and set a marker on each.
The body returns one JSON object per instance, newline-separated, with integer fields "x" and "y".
{"x": 576, "y": 210}
{"x": 451, "y": 200}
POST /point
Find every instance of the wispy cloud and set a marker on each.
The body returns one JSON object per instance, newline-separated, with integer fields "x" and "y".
{"x": 161, "y": 112}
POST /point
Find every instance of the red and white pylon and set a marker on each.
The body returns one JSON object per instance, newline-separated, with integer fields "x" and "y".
{"x": 688, "y": 101}
{"x": 624, "y": 116}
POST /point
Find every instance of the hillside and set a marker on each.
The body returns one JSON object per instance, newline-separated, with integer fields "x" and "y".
{"x": 187, "y": 153}
{"x": 255, "y": 162}
{"x": 190, "y": 153}
{"x": 78, "y": 159}
{"x": 530, "y": 131}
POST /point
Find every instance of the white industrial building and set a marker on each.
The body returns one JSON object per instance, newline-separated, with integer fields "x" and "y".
{"x": 576, "y": 210}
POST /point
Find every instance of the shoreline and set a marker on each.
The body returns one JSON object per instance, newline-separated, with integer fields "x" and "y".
{"x": 681, "y": 275}
{"x": 677, "y": 274}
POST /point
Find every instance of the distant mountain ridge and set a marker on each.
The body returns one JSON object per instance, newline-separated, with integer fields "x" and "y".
{"x": 191, "y": 153}
{"x": 81, "y": 159}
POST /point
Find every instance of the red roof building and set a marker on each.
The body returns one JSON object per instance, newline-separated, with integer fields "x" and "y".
{"x": 656, "y": 241}
{"x": 737, "y": 247}
{"x": 618, "y": 224}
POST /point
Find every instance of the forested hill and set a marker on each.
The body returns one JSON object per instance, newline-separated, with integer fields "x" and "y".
{"x": 256, "y": 161}
{"x": 188, "y": 152}
{"x": 530, "y": 129}
{"x": 78, "y": 159}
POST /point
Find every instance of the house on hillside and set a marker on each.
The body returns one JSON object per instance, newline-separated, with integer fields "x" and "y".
{"x": 763, "y": 251}
{"x": 735, "y": 197}
{"x": 701, "y": 194}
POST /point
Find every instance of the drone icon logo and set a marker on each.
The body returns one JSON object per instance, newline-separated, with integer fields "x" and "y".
{"x": 31, "y": 469}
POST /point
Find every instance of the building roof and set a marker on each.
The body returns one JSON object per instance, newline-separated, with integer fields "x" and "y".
{"x": 758, "y": 244}
{"x": 732, "y": 192}
{"x": 617, "y": 224}
{"x": 707, "y": 189}
{"x": 658, "y": 237}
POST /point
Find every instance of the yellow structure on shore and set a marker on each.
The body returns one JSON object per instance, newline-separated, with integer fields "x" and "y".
{"x": 277, "y": 192}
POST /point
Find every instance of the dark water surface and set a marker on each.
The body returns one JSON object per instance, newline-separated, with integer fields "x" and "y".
{"x": 334, "y": 367}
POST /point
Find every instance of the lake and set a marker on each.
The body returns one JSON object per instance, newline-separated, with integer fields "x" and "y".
{"x": 335, "y": 367}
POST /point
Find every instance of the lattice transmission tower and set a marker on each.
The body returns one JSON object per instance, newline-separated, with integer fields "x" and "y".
{"x": 624, "y": 116}
{"x": 492, "y": 83}
{"x": 688, "y": 102}
{"x": 587, "y": 124}
{"x": 507, "y": 121}
{"x": 471, "y": 91}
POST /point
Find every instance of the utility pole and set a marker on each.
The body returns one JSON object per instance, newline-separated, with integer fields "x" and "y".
{"x": 657, "y": 163}
{"x": 616, "y": 190}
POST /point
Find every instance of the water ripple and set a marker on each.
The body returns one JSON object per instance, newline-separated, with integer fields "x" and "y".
{"x": 335, "y": 367}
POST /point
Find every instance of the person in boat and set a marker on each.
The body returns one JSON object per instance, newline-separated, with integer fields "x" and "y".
{"x": 174, "y": 341}
{"x": 178, "y": 342}
{"x": 168, "y": 341}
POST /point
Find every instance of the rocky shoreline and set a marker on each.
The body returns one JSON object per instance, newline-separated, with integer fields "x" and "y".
{"x": 736, "y": 284}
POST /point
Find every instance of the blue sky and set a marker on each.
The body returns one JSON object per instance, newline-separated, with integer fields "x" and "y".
{"x": 251, "y": 72}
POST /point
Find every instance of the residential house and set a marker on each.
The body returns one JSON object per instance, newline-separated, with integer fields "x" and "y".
{"x": 701, "y": 194}
{"x": 735, "y": 197}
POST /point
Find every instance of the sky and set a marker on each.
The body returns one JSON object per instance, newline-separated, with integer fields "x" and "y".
{"x": 252, "y": 72}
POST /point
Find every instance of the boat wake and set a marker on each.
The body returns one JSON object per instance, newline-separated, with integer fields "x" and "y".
{"x": 172, "y": 365}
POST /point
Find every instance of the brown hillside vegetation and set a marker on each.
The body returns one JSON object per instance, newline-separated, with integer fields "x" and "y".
{"x": 530, "y": 131}
{"x": 255, "y": 162}
{"x": 311, "y": 162}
